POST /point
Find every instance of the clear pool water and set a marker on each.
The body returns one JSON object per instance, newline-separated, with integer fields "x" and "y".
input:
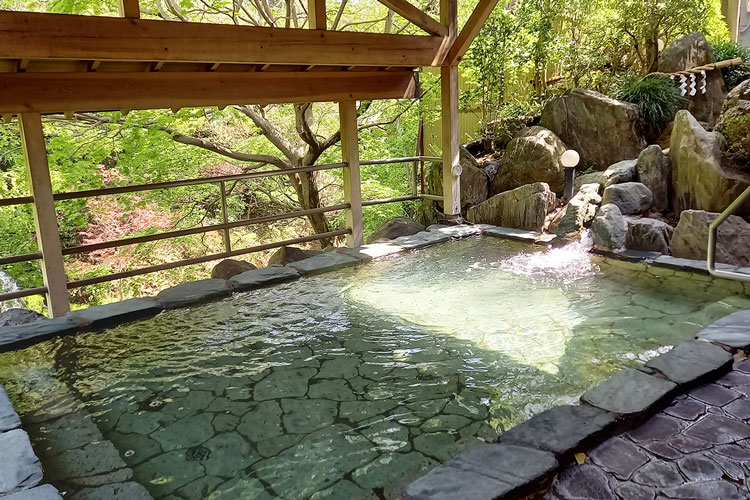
{"x": 351, "y": 384}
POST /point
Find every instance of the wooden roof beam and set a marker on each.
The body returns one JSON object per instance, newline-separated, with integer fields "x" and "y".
{"x": 477, "y": 19}
{"x": 25, "y": 35}
{"x": 65, "y": 92}
{"x": 416, "y": 16}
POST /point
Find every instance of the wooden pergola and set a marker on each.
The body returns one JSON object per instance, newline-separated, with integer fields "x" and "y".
{"x": 53, "y": 63}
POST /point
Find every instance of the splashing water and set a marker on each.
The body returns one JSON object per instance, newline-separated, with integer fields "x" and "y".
{"x": 569, "y": 263}
{"x": 8, "y": 284}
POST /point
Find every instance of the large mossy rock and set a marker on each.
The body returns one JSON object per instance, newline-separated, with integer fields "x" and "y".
{"x": 394, "y": 228}
{"x": 650, "y": 235}
{"x": 736, "y": 104}
{"x": 579, "y": 211}
{"x": 524, "y": 208}
{"x": 532, "y": 156}
{"x": 688, "y": 52}
{"x": 690, "y": 239}
{"x": 699, "y": 180}
{"x": 603, "y": 130}
{"x": 474, "y": 181}
{"x": 609, "y": 228}
{"x": 655, "y": 172}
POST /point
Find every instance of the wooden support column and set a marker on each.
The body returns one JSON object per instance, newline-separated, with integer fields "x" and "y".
{"x": 130, "y": 9}
{"x": 316, "y": 14}
{"x": 45, "y": 216}
{"x": 352, "y": 184}
{"x": 450, "y": 119}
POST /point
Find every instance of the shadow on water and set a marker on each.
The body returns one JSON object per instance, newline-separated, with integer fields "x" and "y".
{"x": 358, "y": 381}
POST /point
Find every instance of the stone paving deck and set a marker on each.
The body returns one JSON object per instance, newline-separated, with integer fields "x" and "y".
{"x": 696, "y": 448}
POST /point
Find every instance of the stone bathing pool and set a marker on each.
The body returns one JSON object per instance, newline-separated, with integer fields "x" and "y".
{"x": 351, "y": 384}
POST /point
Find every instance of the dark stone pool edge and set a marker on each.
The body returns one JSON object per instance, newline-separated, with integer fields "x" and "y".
{"x": 620, "y": 403}
{"x": 20, "y": 469}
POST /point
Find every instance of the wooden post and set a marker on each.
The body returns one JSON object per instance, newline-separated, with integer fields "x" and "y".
{"x": 45, "y": 216}
{"x": 316, "y": 14}
{"x": 450, "y": 118}
{"x": 130, "y": 9}
{"x": 352, "y": 186}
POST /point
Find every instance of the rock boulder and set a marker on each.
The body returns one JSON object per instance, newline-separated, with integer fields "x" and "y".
{"x": 655, "y": 172}
{"x": 230, "y": 267}
{"x": 688, "y": 52}
{"x": 609, "y": 228}
{"x": 699, "y": 180}
{"x": 286, "y": 255}
{"x": 630, "y": 197}
{"x": 532, "y": 156}
{"x": 690, "y": 239}
{"x": 394, "y": 228}
{"x": 603, "y": 130}
{"x": 650, "y": 235}
{"x": 579, "y": 211}
{"x": 736, "y": 104}
{"x": 17, "y": 316}
{"x": 523, "y": 208}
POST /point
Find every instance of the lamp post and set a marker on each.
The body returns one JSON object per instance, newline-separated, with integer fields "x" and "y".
{"x": 569, "y": 160}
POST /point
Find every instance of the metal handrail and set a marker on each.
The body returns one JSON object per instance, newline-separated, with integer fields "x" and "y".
{"x": 713, "y": 229}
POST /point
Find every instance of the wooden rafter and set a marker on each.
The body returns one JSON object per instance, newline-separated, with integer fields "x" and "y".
{"x": 416, "y": 16}
{"x": 65, "y": 92}
{"x": 477, "y": 19}
{"x": 25, "y": 35}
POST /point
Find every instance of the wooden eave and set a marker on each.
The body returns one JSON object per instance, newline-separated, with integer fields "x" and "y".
{"x": 52, "y": 63}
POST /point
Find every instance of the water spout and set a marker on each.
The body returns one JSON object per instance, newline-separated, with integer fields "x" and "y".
{"x": 8, "y": 284}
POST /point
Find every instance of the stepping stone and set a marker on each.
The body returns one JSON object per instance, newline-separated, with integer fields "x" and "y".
{"x": 366, "y": 253}
{"x": 739, "y": 408}
{"x": 9, "y": 419}
{"x": 635, "y": 492}
{"x": 717, "y": 429}
{"x": 699, "y": 468}
{"x": 118, "y": 491}
{"x": 44, "y": 492}
{"x": 264, "y": 276}
{"x": 657, "y": 428}
{"x": 117, "y": 313}
{"x": 662, "y": 450}
{"x": 508, "y": 233}
{"x": 562, "y": 430}
{"x": 713, "y": 394}
{"x": 485, "y": 472}
{"x": 323, "y": 263}
{"x": 657, "y": 473}
{"x": 583, "y": 481}
{"x": 19, "y": 467}
{"x": 687, "y": 444}
{"x": 629, "y": 392}
{"x": 618, "y": 457}
{"x": 706, "y": 489}
{"x": 421, "y": 240}
{"x": 686, "y": 409}
{"x": 692, "y": 362}
{"x": 734, "y": 378}
{"x": 193, "y": 292}
{"x": 18, "y": 337}
{"x": 732, "y": 330}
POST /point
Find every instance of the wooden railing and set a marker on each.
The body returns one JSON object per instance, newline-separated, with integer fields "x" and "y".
{"x": 222, "y": 227}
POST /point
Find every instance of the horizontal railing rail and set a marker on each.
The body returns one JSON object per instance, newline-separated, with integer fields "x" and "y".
{"x": 223, "y": 227}
{"x": 713, "y": 230}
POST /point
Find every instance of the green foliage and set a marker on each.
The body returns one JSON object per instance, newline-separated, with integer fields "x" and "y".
{"x": 737, "y": 132}
{"x": 657, "y": 98}
{"x": 728, "y": 49}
